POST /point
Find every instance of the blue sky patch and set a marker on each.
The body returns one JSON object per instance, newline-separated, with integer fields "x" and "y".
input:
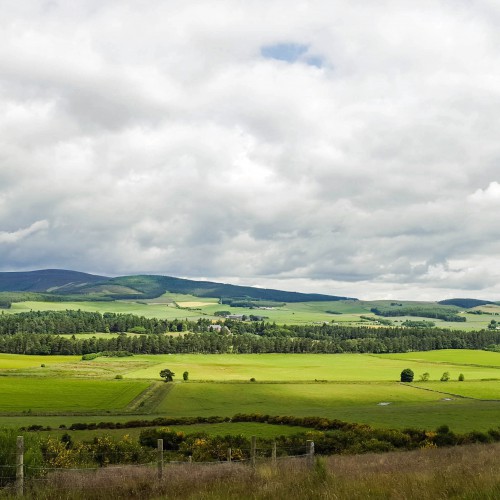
{"x": 288, "y": 52}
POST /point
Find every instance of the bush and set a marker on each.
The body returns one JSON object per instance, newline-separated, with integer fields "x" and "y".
{"x": 407, "y": 375}
{"x": 461, "y": 377}
{"x": 445, "y": 377}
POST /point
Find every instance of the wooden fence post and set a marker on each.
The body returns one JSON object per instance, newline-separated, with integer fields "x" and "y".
{"x": 159, "y": 458}
{"x": 273, "y": 453}
{"x": 310, "y": 452}
{"x": 253, "y": 451}
{"x": 20, "y": 466}
{"x": 229, "y": 454}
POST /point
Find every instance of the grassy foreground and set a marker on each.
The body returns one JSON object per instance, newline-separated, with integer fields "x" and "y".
{"x": 466, "y": 472}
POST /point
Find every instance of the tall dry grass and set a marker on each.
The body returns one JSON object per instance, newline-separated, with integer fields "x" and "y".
{"x": 465, "y": 472}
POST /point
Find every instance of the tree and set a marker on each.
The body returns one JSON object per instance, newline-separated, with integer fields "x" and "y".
{"x": 407, "y": 375}
{"x": 167, "y": 374}
{"x": 445, "y": 377}
{"x": 424, "y": 377}
{"x": 461, "y": 377}
{"x": 185, "y": 375}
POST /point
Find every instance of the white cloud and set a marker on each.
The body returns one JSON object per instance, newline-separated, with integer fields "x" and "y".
{"x": 21, "y": 234}
{"x": 490, "y": 195}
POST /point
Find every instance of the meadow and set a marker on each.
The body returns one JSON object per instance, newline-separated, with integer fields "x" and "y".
{"x": 465, "y": 473}
{"x": 352, "y": 387}
{"x": 55, "y": 395}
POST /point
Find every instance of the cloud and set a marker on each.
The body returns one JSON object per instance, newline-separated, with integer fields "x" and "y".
{"x": 490, "y": 195}
{"x": 21, "y": 234}
{"x": 341, "y": 148}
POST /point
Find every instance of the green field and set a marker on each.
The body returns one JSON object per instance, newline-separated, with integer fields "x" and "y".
{"x": 61, "y": 395}
{"x": 246, "y": 429}
{"x": 282, "y": 368}
{"x": 15, "y": 361}
{"x": 310, "y": 367}
{"x": 178, "y": 306}
{"x": 349, "y": 387}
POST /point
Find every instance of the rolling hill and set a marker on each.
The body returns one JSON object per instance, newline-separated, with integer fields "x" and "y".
{"x": 63, "y": 283}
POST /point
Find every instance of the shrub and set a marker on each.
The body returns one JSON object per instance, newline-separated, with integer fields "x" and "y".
{"x": 445, "y": 377}
{"x": 461, "y": 377}
{"x": 185, "y": 376}
{"x": 407, "y": 375}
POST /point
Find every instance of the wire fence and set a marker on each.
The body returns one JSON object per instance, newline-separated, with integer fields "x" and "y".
{"x": 101, "y": 471}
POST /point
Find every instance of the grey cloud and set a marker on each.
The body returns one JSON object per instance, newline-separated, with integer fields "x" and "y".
{"x": 159, "y": 139}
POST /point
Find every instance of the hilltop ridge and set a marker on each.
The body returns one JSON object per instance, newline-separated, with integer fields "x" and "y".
{"x": 60, "y": 282}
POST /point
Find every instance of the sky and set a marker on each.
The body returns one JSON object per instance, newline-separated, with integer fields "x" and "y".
{"x": 329, "y": 146}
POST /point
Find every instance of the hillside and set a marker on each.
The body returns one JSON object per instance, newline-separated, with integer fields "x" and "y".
{"x": 62, "y": 283}
{"x": 465, "y": 303}
{"x": 47, "y": 280}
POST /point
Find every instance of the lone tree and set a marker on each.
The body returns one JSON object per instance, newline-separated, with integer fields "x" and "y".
{"x": 167, "y": 374}
{"x": 185, "y": 375}
{"x": 407, "y": 375}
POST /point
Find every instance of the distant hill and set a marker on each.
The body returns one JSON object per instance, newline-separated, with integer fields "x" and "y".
{"x": 465, "y": 303}
{"x": 47, "y": 280}
{"x": 60, "y": 283}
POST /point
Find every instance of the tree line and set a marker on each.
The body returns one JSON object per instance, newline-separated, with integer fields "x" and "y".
{"x": 345, "y": 340}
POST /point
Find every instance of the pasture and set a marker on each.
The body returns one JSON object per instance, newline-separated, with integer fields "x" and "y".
{"x": 20, "y": 394}
{"x": 311, "y": 367}
{"x": 352, "y": 387}
{"x": 178, "y": 306}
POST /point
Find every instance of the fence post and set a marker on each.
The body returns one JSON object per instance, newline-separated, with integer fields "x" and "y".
{"x": 20, "y": 466}
{"x": 273, "y": 453}
{"x": 229, "y": 454}
{"x": 253, "y": 451}
{"x": 159, "y": 458}
{"x": 310, "y": 452}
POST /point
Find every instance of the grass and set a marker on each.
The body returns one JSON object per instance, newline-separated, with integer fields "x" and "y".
{"x": 246, "y": 429}
{"x": 302, "y": 367}
{"x": 409, "y": 406}
{"x": 471, "y": 389}
{"x": 192, "y": 307}
{"x": 16, "y": 362}
{"x": 290, "y": 384}
{"x": 180, "y": 306}
{"x": 66, "y": 395}
{"x": 451, "y": 356}
{"x": 467, "y": 472}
